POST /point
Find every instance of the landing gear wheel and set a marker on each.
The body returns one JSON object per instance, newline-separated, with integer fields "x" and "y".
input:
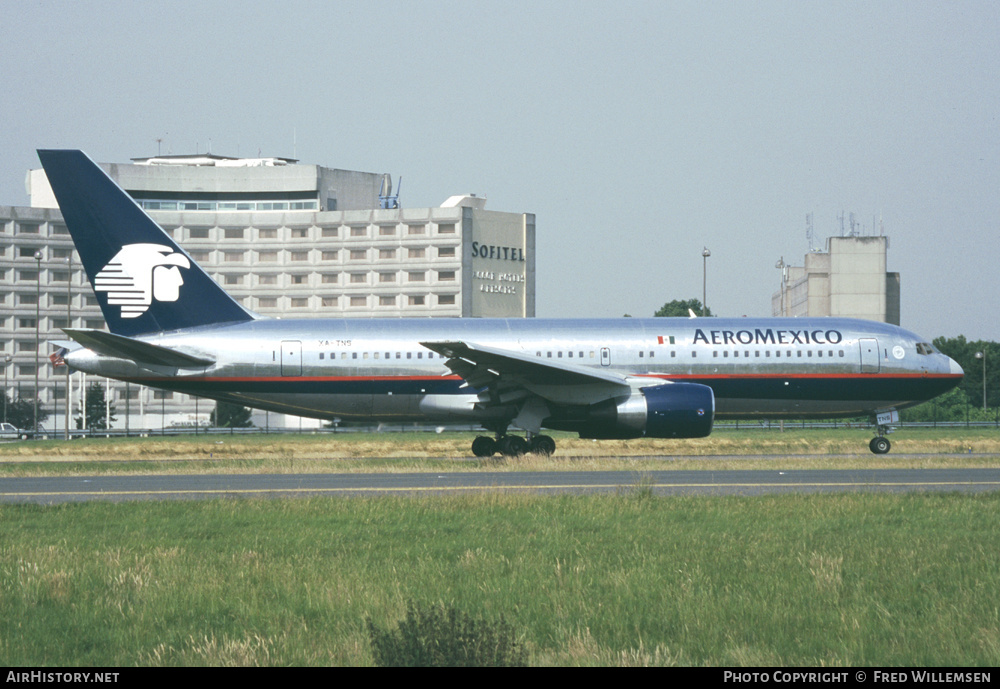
{"x": 484, "y": 446}
{"x": 543, "y": 445}
{"x": 512, "y": 446}
{"x": 880, "y": 445}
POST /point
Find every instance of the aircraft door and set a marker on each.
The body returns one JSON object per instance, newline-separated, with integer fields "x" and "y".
{"x": 605, "y": 356}
{"x": 291, "y": 358}
{"x": 869, "y": 355}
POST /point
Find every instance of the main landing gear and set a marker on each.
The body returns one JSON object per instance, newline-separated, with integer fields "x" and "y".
{"x": 513, "y": 445}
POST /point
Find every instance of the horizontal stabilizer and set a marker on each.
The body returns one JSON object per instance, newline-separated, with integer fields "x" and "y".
{"x": 123, "y": 347}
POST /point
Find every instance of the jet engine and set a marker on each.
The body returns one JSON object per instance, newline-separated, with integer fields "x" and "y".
{"x": 673, "y": 410}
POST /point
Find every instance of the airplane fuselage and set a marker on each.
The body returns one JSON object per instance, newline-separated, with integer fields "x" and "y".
{"x": 377, "y": 368}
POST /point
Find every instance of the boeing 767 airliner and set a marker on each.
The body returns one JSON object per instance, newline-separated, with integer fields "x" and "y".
{"x": 172, "y": 327}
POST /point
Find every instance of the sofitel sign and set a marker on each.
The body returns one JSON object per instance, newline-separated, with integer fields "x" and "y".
{"x": 502, "y": 253}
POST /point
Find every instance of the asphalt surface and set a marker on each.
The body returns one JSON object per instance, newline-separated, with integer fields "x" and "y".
{"x": 59, "y": 489}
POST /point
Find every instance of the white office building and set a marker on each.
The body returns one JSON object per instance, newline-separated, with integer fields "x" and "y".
{"x": 285, "y": 239}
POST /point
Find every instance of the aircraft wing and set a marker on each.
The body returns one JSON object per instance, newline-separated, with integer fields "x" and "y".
{"x": 510, "y": 376}
{"x": 138, "y": 351}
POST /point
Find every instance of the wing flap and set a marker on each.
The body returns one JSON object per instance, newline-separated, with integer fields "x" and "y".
{"x": 507, "y": 376}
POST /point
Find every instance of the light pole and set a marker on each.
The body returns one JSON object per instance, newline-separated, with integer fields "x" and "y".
{"x": 69, "y": 324}
{"x": 982, "y": 355}
{"x": 780, "y": 265}
{"x": 705, "y": 253}
{"x": 6, "y": 365}
{"x": 38, "y": 332}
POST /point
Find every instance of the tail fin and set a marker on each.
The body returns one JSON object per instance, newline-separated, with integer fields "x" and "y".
{"x": 144, "y": 281}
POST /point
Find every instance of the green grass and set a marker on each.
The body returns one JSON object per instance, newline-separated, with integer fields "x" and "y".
{"x": 857, "y": 579}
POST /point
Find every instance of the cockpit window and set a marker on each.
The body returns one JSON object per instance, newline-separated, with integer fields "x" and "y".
{"x": 924, "y": 348}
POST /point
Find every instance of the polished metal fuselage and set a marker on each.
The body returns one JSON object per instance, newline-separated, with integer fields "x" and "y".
{"x": 377, "y": 369}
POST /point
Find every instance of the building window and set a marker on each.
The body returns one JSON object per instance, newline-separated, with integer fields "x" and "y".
{"x": 28, "y": 251}
{"x": 415, "y": 253}
{"x": 387, "y": 301}
{"x": 416, "y": 300}
{"x": 387, "y": 231}
{"x": 331, "y": 255}
{"x": 162, "y": 395}
{"x": 59, "y": 299}
{"x": 233, "y": 257}
{"x": 359, "y": 301}
{"x": 269, "y": 233}
{"x": 386, "y": 277}
{"x": 300, "y": 279}
{"x": 267, "y": 256}
{"x": 358, "y": 278}
{"x": 446, "y": 299}
{"x": 267, "y": 279}
{"x": 359, "y": 254}
{"x": 300, "y": 255}
{"x": 446, "y": 228}
{"x": 199, "y": 256}
{"x": 446, "y": 252}
{"x": 27, "y": 228}
{"x": 59, "y": 276}
{"x": 359, "y": 231}
{"x": 415, "y": 276}
{"x": 300, "y": 233}
{"x": 235, "y": 233}
{"x": 267, "y": 302}
{"x": 416, "y": 229}
{"x": 26, "y": 275}
{"x": 300, "y": 302}
{"x": 386, "y": 254}
{"x": 198, "y": 233}
{"x": 330, "y": 232}
{"x": 330, "y": 302}
{"x": 330, "y": 278}
{"x": 26, "y": 322}
{"x": 446, "y": 275}
{"x": 27, "y": 299}
{"x": 59, "y": 228}
{"x": 232, "y": 279}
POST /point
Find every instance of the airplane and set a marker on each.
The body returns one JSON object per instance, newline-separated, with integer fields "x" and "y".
{"x": 170, "y": 326}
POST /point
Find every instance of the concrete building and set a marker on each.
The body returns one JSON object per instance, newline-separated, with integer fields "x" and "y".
{"x": 285, "y": 239}
{"x": 849, "y": 280}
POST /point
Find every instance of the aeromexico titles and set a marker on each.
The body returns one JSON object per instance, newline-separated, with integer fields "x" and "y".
{"x": 172, "y": 327}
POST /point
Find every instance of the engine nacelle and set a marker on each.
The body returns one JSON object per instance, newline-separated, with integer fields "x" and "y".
{"x": 674, "y": 410}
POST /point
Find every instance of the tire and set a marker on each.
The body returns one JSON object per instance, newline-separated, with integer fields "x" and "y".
{"x": 512, "y": 446}
{"x": 880, "y": 445}
{"x": 543, "y": 445}
{"x": 484, "y": 446}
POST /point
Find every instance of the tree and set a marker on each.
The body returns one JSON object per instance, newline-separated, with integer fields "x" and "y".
{"x": 100, "y": 415}
{"x": 21, "y": 412}
{"x": 679, "y": 309}
{"x": 964, "y": 352}
{"x": 230, "y": 415}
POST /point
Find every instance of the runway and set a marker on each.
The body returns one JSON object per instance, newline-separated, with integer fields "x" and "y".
{"x": 61, "y": 489}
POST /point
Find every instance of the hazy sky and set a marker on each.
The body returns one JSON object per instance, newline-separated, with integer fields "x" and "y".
{"x": 637, "y": 132}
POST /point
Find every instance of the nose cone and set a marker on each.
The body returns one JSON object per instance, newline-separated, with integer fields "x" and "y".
{"x": 954, "y": 369}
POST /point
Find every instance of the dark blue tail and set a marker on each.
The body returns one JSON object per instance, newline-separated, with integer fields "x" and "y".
{"x": 144, "y": 281}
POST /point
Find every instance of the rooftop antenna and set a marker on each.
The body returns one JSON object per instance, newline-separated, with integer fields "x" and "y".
{"x": 386, "y": 199}
{"x": 811, "y": 234}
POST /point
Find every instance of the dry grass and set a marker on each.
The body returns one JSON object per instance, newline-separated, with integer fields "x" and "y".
{"x": 406, "y": 452}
